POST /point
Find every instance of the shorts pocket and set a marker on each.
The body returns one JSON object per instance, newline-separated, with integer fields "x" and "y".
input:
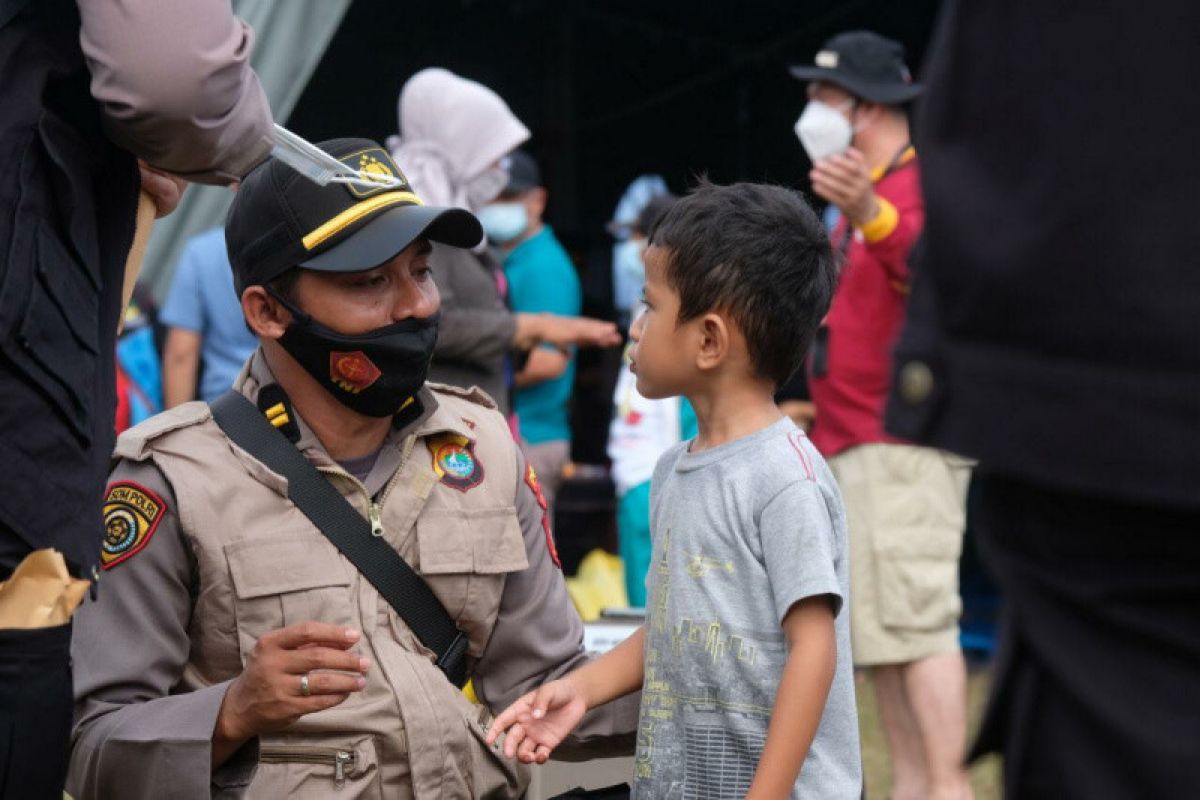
{"x": 916, "y": 537}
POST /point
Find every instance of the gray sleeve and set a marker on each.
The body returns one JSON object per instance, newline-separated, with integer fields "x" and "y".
{"x": 799, "y": 547}
{"x": 174, "y": 81}
{"x": 472, "y": 330}
{"x": 539, "y": 637}
{"x": 134, "y": 738}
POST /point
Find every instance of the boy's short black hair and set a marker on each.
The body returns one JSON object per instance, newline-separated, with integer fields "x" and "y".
{"x": 758, "y": 253}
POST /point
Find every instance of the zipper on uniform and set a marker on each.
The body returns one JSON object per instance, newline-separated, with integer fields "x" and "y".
{"x": 298, "y": 754}
{"x": 375, "y": 509}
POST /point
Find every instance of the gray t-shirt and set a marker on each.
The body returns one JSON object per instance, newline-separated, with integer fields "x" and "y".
{"x": 740, "y": 533}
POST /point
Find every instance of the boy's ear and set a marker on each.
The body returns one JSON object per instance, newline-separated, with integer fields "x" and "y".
{"x": 267, "y": 318}
{"x": 714, "y": 341}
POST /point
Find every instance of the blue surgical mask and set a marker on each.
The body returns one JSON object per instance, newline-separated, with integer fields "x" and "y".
{"x": 503, "y": 222}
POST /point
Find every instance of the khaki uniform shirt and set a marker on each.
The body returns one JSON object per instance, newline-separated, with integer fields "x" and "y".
{"x": 205, "y": 554}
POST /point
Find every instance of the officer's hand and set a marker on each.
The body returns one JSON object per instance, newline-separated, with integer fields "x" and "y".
{"x": 844, "y": 179}
{"x": 267, "y": 695}
{"x": 165, "y": 190}
{"x": 539, "y": 721}
{"x": 535, "y": 329}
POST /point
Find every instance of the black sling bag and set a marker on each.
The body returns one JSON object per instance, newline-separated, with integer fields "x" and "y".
{"x": 333, "y": 515}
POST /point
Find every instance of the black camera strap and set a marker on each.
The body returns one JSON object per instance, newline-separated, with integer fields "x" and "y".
{"x": 333, "y": 515}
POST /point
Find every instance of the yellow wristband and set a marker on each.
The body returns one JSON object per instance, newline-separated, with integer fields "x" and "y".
{"x": 882, "y": 224}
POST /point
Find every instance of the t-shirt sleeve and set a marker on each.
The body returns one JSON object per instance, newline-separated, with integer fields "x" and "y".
{"x": 182, "y": 309}
{"x": 799, "y": 547}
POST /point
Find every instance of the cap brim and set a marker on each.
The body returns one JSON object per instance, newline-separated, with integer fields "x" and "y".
{"x": 392, "y": 231}
{"x": 890, "y": 94}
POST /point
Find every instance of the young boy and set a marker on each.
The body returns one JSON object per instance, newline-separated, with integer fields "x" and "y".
{"x": 744, "y": 661}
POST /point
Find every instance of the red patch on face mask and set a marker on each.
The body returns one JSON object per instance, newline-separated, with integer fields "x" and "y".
{"x": 352, "y": 372}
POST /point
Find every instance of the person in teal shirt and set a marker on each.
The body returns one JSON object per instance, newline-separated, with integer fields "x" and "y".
{"x": 541, "y": 279}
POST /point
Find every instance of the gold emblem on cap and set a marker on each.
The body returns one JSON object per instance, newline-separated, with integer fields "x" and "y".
{"x": 376, "y": 171}
{"x": 371, "y": 166}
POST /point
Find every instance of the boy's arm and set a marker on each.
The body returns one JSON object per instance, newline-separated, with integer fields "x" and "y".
{"x": 800, "y": 701}
{"x": 614, "y": 674}
{"x": 538, "y": 722}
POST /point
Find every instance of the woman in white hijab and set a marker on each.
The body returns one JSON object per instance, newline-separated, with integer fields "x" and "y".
{"x": 454, "y": 135}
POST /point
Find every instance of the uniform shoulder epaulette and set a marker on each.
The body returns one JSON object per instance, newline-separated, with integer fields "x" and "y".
{"x": 134, "y": 443}
{"x": 474, "y": 394}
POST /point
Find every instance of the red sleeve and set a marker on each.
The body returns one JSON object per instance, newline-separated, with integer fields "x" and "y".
{"x": 902, "y": 223}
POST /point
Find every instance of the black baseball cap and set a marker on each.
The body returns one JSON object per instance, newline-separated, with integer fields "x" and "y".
{"x": 280, "y": 219}
{"x": 865, "y": 64}
{"x": 523, "y": 173}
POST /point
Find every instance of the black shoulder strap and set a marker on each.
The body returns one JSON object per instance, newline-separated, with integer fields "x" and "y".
{"x": 379, "y": 563}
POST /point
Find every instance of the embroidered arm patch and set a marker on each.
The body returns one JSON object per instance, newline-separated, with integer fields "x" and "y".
{"x": 531, "y": 479}
{"x": 131, "y": 515}
{"x": 455, "y": 462}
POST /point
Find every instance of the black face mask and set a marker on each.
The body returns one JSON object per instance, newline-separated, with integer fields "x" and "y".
{"x": 373, "y": 373}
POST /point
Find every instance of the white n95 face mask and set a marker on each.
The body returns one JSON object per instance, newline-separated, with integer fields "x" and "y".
{"x": 823, "y": 131}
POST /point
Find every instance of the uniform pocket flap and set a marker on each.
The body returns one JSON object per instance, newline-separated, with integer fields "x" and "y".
{"x": 263, "y": 567}
{"x": 485, "y": 541}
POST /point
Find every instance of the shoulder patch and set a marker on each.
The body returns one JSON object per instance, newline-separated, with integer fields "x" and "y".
{"x": 131, "y": 515}
{"x": 454, "y": 461}
{"x": 531, "y": 480}
{"x": 474, "y": 394}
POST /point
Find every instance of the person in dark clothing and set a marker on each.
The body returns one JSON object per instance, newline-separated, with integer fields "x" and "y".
{"x": 86, "y": 89}
{"x": 1053, "y": 335}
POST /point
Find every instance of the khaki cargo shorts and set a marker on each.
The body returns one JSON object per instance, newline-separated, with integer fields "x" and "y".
{"x": 906, "y": 512}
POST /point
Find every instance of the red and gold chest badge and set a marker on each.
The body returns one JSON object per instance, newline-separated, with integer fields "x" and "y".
{"x": 131, "y": 515}
{"x": 454, "y": 461}
{"x": 352, "y": 372}
{"x": 531, "y": 479}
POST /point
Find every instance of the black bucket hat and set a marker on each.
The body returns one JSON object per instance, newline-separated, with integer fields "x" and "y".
{"x": 280, "y": 219}
{"x": 865, "y": 64}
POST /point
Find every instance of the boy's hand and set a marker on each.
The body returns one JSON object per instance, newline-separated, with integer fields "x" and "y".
{"x": 539, "y": 721}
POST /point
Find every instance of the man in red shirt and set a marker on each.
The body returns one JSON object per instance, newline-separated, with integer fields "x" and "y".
{"x": 905, "y": 504}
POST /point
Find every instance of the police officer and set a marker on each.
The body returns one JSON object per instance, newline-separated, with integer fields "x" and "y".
{"x": 233, "y": 649}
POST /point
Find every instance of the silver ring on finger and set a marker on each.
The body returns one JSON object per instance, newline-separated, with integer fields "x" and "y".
{"x": 304, "y": 690}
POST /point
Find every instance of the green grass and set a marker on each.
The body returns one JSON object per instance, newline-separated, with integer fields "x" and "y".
{"x": 985, "y": 775}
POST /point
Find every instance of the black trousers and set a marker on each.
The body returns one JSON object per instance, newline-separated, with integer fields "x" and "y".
{"x": 35, "y": 701}
{"x": 1097, "y": 687}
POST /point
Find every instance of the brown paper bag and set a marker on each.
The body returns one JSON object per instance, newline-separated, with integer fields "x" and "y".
{"x": 40, "y": 593}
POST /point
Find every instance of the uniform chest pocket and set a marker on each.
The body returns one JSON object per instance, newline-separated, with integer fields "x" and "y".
{"x": 282, "y": 581}
{"x": 465, "y": 553}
